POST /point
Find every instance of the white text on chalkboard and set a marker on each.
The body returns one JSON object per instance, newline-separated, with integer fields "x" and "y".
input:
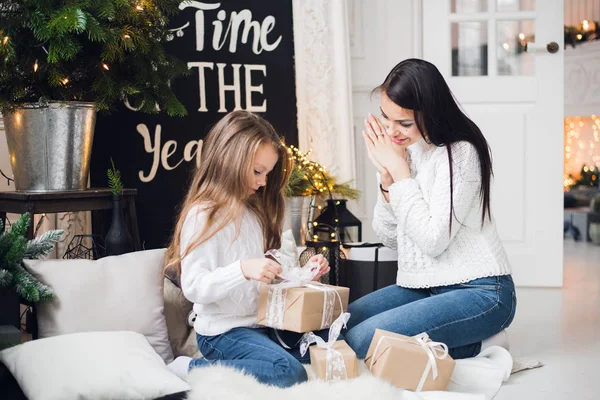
{"x": 161, "y": 156}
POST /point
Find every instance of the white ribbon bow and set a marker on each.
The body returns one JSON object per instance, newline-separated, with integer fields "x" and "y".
{"x": 433, "y": 350}
{"x": 335, "y": 368}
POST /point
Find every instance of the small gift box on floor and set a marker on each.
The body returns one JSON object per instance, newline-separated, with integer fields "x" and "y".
{"x": 332, "y": 360}
{"x": 301, "y": 309}
{"x": 414, "y": 363}
{"x": 344, "y": 366}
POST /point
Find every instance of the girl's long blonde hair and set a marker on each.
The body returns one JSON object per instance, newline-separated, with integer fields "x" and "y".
{"x": 221, "y": 180}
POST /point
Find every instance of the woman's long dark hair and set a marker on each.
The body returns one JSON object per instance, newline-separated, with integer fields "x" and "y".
{"x": 417, "y": 85}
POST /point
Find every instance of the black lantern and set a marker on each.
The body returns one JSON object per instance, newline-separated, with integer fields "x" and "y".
{"x": 331, "y": 250}
{"x": 336, "y": 214}
{"x": 78, "y": 247}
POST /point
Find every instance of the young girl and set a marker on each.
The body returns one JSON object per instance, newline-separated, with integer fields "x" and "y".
{"x": 434, "y": 169}
{"x": 232, "y": 214}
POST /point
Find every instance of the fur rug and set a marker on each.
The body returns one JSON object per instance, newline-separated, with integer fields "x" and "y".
{"x": 482, "y": 376}
{"x": 214, "y": 383}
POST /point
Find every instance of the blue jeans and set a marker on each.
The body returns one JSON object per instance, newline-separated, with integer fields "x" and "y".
{"x": 459, "y": 315}
{"x": 257, "y": 351}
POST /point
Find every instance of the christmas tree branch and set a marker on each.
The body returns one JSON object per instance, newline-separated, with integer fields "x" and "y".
{"x": 42, "y": 246}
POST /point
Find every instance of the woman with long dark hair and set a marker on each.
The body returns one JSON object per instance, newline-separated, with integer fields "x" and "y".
{"x": 434, "y": 172}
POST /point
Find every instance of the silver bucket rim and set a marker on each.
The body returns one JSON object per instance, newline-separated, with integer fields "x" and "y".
{"x": 55, "y": 104}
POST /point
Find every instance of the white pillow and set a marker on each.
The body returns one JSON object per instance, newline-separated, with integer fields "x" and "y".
{"x": 119, "y": 293}
{"x": 91, "y": 365}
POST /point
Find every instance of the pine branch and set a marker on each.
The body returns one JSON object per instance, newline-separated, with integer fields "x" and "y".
{"x": 346, "y": 191}
{"x": 114, "y": 179}
{"x": 95, "y": 31}
{"x": 67, "y": 20}
{"x": 15, "y": 253}
{"x": 5, "y": 278}
{"x": 42, "y": 246}
{"x": 19, "y": 228}
{"x": 26, "y": 286}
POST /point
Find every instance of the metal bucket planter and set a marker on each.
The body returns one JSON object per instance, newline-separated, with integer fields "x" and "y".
{"x": 50, "y": 145}
{"x": 297, "y": 216}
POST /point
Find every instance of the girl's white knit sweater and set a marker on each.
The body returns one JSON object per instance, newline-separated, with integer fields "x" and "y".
{"x": 211, "y": 275}
{"x": 416, "y": 221}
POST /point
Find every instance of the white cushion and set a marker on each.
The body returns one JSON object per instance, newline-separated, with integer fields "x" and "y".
{"x": 119, "y": 293}
{"x": 91, "y": 365}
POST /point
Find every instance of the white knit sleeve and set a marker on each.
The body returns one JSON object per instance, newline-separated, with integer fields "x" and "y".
{"x": 428, "y": 225}
{"x": 384, "y": 221}
{"x": 203, "y": 279}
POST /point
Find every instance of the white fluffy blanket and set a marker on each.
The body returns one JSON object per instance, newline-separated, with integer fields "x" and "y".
{"x": 477, "y": 378}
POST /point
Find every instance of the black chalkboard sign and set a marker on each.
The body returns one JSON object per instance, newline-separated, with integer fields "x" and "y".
{"x": 241, "y": 56}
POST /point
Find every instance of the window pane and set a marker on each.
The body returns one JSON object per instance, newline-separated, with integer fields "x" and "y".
{"x": 515, "y": 5}
{"x": 469, "y": 48}
{"x": 510, "y": 47}
{"x": 468, "y": 6}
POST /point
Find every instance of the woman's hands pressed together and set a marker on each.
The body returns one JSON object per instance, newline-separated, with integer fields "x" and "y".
{"x": 387, "y": 157}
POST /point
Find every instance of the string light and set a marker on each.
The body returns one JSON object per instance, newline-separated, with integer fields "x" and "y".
{"x": 126, "y": 36}
{"x": 5, "y": 40}
{"x": 582, "y": 148}
{"x": 315, "y": 173}
{"x": 65, "y": 81}
{"x": 105, "y": 67}
{"x": 35, "y": 66}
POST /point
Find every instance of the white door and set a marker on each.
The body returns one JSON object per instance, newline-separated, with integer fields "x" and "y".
{"x": 515, "y": 95}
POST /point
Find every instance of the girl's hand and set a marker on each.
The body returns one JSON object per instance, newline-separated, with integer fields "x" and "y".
{"x": 384, "y": 155}
{"x": 260, "y": 269}
{"x": 323, "y": 265}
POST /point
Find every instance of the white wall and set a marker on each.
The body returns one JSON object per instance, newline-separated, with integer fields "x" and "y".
{"x": 382, "y": 33}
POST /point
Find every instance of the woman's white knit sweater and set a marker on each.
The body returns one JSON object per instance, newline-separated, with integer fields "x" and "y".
{"x": 416, "y": 221}
{"x": 211, "y": 275}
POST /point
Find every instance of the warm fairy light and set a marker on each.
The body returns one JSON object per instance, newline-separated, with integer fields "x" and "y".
{"x": 35, "y": 66}
{"x": 314, "y": 172}
{"x": 315, "y": 237}
{"x": 522, "y": 36}
{"x": 506, "y": 46}
{"x": 585, "y": 25}
{"x": 105, "y": 67}
{"x": 139, "y": 8}
{"x": 65, "y": 81}
{"x": 126, "y": 36}
{"x": 582, "y": 148}
{"x": 579, "y": 36}
{"x": 315, "y": 223}
{"x": 5, "y": 40}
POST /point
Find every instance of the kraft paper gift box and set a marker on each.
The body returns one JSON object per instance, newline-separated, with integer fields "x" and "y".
{"x": 407, "y": 362}
{"x": 318, "y": 361}
{"x": 302, "y": 308}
